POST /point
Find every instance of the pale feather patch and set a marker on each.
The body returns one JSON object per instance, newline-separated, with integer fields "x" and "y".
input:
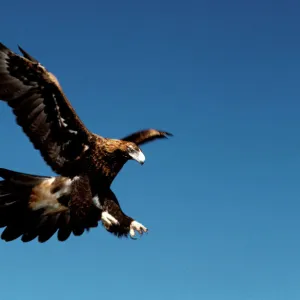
{"x": 86, "y": 147}
{"x": 65, "y": 189}
{"x": 53, "y": 78}
{"x": 49, "y": 181}
{"x": 73, "y": 131}
{"x": 96, "y": 202}
{"x": 42, "y": 197}
{"x": 63, "y": 122}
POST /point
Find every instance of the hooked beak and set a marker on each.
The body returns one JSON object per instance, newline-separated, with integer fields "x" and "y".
{"x": 138, "y": 156}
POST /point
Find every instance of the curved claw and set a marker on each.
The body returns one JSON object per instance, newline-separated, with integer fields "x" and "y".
{"x": 133, "y": 237}
{"x": 108, "y": 219}
{"x": 136, "y": 226}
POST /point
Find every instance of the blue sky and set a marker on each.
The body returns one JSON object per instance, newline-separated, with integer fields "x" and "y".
{"x": 221, "y": 198}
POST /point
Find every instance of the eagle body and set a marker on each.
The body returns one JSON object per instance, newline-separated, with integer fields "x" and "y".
{"x": 104, "y": 170}
{"x": 85, "y": 163}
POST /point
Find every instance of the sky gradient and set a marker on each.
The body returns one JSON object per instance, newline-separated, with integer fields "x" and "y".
{"x": 221, "y": 198}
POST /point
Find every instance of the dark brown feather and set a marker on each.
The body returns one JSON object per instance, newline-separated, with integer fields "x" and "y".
{"x": 81, "y": 200}
{"x": 42, "y": 110}
{"x": 25, "y": 214}
{"x": 47, "y": 227}
{"x": 145, "y": 136}
{"x": 65, "y": 228}
{"x": 112, "y": 206}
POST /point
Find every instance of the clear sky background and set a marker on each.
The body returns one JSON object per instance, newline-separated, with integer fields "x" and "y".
{"x": 221, "y": 198}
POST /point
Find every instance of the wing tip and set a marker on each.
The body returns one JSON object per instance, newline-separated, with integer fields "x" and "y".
{"x": 26, "y": 55}
{"x": 166, "y": 134}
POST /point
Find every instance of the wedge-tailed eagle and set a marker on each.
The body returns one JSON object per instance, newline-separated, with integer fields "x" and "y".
{"x": 80, "y": 196}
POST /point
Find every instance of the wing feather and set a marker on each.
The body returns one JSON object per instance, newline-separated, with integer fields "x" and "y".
{"x": 38, "y": 207}
{"x": 43, "y": 111}
{"x": 145, "y": 136}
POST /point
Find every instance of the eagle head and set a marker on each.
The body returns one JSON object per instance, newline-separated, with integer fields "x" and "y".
{"x": 123, "y": 150}
{"x": 132, "y": 151}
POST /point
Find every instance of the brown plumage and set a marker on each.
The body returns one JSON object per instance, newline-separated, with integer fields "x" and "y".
{"x": 86, "y": 162}
{"x": 146, "y": 136}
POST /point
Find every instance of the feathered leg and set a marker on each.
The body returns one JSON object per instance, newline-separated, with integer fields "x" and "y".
{"x": 116, "y": 221}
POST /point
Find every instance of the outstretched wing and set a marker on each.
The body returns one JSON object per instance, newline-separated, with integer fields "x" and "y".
{"x": 43, "y": 111}
{"x": 38, "y": 207}
{"x": 145, "y": 136}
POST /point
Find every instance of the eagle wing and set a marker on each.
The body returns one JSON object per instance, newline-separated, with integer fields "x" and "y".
{"x": 43, "y": 111}
{"x": 37, "y": 207}
{"x": 145, "y": 136}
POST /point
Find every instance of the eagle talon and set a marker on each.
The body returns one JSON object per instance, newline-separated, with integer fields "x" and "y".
{"x": 133, "y": 237}
{"x": 108, "y": 219}
{"x": 136, "y": 226}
